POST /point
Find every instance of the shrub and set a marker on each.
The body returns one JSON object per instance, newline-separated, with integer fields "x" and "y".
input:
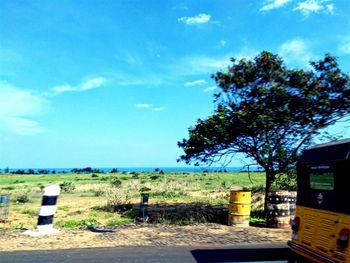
{"x": 154, "y": 177}
{"x": 98, "y": 191}
{"x": 22, "y": 198}
{"x": 67, "y": 187}
{"x": 131, "y": 214}
{"x": 118, "y": 200}
{"x": 144, "y": 189}
{"x": 285, "y": 182}
{"x": 115, "y": 182}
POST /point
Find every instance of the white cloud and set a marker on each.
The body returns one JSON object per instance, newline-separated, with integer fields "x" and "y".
{"x": 222, "y": 43}
{"x": 345, "y": 46}
{"x": 202, "y": 64}
{"x": 92, "y": 83}
{"x": 195, "y": 20}
{"x": 143, "y": 105}
{"x": 315, "y": 6}
{"x": 195, "y": 83}
{"x": 158, "y": 108}
{"x": 148, "y": 106}
{"x": 273, "y": 4}
{"x": 209, "y": 89}
{"x": 18, "y": 107}
{"x": 296, "y": 53}
{"x": 22, "y": 126}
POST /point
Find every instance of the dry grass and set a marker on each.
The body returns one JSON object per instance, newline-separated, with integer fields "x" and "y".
{"x": 86, "y": 203}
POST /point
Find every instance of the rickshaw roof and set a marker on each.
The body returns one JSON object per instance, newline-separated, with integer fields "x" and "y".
{"x": 331, "y": 151}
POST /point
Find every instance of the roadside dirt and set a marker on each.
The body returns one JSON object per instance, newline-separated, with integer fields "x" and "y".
{"x": 209, "y": 235}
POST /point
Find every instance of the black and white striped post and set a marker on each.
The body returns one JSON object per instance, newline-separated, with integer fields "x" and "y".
{"x": 46, "y": 213}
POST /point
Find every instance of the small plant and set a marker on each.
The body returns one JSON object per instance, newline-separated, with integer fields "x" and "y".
{"x": 116, "y": 222}
{"x": 71, "y": 223}
{"x": 145, "y": 189}
{"x": 30, "y": 212}
{"x": 94, "y": 175}
{"x": 98, "y": 191}
{"x": 118, "y": 200}
{"x": 8, "y": 188}
{"x": 131, "y": 214}
{"x": 285, "y": 182}
{"x": 22, "y": 198}
{"x": 154, "y": 177}
{"x": 115, "y": 182}
{"x": 67, "y": 186}
{"x": 89, "y": 222}
{"x": 65, "y": 208}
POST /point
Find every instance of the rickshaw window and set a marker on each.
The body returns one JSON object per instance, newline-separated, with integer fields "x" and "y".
{"x": 322, "y": 180}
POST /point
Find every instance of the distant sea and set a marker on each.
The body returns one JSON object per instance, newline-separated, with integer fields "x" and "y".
{"x": 144, "y": 169}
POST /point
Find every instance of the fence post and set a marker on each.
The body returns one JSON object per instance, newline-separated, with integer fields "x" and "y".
{"x": 46, "y": 213}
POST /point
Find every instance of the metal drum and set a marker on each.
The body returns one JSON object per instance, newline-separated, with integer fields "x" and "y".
{"x": 278, "y": 209}
{"x": 239, "y": 208}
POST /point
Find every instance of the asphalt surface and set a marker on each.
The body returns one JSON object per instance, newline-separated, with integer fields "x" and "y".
{"x": 241, "y": 253}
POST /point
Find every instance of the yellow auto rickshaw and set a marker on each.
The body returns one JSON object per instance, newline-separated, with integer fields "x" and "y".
{"x": 321, "y": 226}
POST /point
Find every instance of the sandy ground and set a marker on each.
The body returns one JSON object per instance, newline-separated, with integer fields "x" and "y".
{"x": 144, "y": 235}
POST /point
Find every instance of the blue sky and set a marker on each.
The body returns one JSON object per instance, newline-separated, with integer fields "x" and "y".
{"x": 118, "y": 83}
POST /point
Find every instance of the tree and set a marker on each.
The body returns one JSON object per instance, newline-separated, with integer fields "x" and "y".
{"x": 269, "y": 113}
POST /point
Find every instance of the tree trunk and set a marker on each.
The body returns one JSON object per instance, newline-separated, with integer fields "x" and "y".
{"x": 268, "y": 184}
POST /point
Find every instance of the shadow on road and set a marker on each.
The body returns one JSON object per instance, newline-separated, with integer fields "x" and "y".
{"x": 241, "y": 255}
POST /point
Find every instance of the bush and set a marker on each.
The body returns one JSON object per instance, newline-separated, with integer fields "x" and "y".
{"x": 118, "y": 200}
{"x": 145, "y": 189}
{"x": 22, "y": 198}
{"x": 98, "y": 191}
{"x": 285, "y": 182}
{"x": 67, "y": 187}
{"x": 115, "y": 182}
{"x": 131, "y": 214}
{"x": 154, "y": 177}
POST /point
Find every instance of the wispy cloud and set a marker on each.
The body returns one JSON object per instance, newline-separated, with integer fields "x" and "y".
{"x": 209, "y": 89}
{"x": 143, "y": 105}
{"x": 222, "y": 43}
{"x": 92, "y": 83}
{"x": 195, "y": 83}
{"x": 148, "y": 106}
{"x": 195, "y": 20}
{"x": 344, "y": 47}
{"x": 158, "y": 108}
{"x": 193, "y": 65}
{"x": 18, "y": 107}
{"x": 296, "y": 52}
{"x": 273, "y": 4}
{"x": 315, "y": 6}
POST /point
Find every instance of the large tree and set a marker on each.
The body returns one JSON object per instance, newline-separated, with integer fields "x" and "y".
{"x": 268, "y": 112}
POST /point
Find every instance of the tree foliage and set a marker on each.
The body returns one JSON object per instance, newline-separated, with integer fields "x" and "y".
{"x": 268, "y": 112}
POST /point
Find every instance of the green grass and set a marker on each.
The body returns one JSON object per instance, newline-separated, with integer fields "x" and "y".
{"x": 88, "y": 202}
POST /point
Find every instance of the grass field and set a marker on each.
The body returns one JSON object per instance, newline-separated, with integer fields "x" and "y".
{"x": 113, "y": 199}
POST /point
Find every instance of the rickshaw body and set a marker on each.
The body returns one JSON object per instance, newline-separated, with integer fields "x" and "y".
{"x": 321, "y": 226}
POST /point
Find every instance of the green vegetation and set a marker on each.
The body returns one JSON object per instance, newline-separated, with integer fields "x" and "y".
{"x": 114, "y": 199}
{"x": 269, "y": 113}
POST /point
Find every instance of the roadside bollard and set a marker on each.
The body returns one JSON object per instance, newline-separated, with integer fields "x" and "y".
{"x": 143, "y": 213}
{"x": 46, "y": 213}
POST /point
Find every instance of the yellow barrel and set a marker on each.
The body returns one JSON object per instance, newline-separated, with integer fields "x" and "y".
{"x": 239, "y": 208}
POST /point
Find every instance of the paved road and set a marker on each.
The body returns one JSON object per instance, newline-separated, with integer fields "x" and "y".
{"x": 241, "y": 253}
